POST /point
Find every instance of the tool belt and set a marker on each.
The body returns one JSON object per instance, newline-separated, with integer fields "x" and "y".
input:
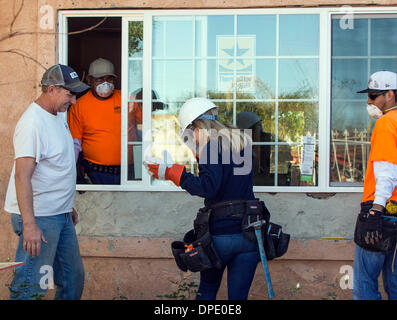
{"x": 388, "y": 240}
{"x": 275, "y": 241}
{"x": 197, "y": 253}
{"x": 90, "y": 166}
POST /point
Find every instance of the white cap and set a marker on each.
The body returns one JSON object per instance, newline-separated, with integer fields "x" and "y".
{"x": 381, "y": 81}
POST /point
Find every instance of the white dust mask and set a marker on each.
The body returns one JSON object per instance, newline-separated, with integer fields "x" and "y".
{"x": 104, "y": 89}
{"x": 374, "y": 111}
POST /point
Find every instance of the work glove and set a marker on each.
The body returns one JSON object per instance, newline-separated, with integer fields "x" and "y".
{"x": 164, "y": 169}
{"x": 373, "y": 227}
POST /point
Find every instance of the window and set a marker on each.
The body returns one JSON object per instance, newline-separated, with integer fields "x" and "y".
{"x": 356, "y": 54}
{"x": 290, "y": 75}
{"x": 249, "y": 66}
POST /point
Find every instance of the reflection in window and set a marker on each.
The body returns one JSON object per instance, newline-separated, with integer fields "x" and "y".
{"x": 238, "y": 62}
{"x": 135, "y": 58}
{"x": 356, "y": 54}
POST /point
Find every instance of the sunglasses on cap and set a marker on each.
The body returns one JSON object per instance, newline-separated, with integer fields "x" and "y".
{"x": 374, "y": 95}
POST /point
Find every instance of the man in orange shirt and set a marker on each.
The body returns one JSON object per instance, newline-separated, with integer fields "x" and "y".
{"x": 376, "y": 227}
{"x": 95, "y": 125}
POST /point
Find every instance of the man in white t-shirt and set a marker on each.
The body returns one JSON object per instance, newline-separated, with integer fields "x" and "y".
{"x": 41, "y": 191}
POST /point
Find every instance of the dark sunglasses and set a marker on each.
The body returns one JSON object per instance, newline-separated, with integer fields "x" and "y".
{"x": 373, "y": 96}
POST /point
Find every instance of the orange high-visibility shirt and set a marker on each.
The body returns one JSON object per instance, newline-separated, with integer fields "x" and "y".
{"x": 97, "y": 123}
{"x": 383, "y": 148}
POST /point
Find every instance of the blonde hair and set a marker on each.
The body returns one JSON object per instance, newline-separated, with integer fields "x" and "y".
{"x": 232, "y": 137}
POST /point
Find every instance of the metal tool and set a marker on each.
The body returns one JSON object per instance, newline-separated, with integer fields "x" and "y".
{"x": 257, "y": 225}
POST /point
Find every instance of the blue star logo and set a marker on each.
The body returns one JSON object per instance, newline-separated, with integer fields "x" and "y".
{"x": 239, "y": 52}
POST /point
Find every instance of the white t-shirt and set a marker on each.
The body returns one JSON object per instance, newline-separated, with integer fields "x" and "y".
{"x": 45, "y": 137}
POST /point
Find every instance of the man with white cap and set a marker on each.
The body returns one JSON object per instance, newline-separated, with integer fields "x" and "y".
{"x": 95, "y": 124}
{"x": 376, "y": 227}
{"x": 41, "y": 192}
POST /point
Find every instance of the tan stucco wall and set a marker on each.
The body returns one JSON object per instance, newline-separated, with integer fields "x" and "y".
{"x": 124, "y": 237}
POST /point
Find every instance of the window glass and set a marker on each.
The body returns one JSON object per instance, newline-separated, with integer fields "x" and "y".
{"x": 259, "y": 117}
{"x": 350, "y": 42}
{"x": 173, "y": 79}
{"x": 378, "y": 64}
{"x": 381, "y": 28}
{"x": 233, "y": 65}
{"x": 214, "y": 78}
{"x": 135, "y": 78}
{"x": 218, "y": 33}
{"x": 289, "y": 167}
{"x": 298, "y": 78}
{"x": 348, "y": 77}
{"x": 262, "y": 30}
{"x": 135, "y": 110}
{"x": 299, "y": 35}
{"x": 135, "y": 39}
{"x": 296, "y": 120}
{"x": 172, "y": 37}
{"x": 356, "y": 54}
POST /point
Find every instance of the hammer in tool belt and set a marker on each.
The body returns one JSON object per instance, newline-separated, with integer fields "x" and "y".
{"x": 257, "y": 225}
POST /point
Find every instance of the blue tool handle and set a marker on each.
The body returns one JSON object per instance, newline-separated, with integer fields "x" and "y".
{"x": 264, "y": 263}
{"x": 389, "y": 218}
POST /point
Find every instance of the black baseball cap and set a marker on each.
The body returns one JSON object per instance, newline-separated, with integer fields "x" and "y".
{"x": 64, "y": 76}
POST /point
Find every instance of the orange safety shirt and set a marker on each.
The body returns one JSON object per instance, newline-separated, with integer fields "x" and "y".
{"x": 383, "y": 148}
{"x": 97, "y": 124}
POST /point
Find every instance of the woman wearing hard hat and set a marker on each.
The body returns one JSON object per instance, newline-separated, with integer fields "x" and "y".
{"x": 223, "y": 186}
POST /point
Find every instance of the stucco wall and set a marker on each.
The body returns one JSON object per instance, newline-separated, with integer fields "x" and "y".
{"x": 125, "y": 236}
{"x": 170, "y": 214}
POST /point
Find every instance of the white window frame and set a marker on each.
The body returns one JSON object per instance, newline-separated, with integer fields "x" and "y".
{"x": 324, "y": 97}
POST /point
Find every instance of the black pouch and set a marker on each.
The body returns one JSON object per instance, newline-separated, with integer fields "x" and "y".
{"x": 202, "y": 254}
{"x": 196, "y": 260}
{"x": 254, "y": 211}
{"x": 200, "y": 224}
{"x": 275, "y": 241}
{"x": 177, "y": 248}
{"x": 389, "y": 234}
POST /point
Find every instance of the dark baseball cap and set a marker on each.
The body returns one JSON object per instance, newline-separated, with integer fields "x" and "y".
{"x": 64, "y": 76}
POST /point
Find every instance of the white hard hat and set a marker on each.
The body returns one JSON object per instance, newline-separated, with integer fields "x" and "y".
{"x": 193, "y": 109}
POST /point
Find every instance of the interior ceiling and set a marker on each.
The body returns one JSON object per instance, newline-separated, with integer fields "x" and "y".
{"x": 111, "y": 24}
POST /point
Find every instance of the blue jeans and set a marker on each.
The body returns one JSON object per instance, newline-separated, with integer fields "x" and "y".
{"x": 241, "y": 258}
{"x": 61, "y": 256}
{"x": 367, "y": 268}
{"x": 104, "y": 178}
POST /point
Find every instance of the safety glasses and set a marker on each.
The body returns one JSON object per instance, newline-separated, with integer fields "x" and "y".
{"x": 373, "y": 96}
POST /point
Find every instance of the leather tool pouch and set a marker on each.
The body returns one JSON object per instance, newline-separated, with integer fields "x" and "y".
{"x": 197, "y": 251}
{"x": 389, "y": 232}
{"x": 203, "y": 255}
{"x": 385, "y": 244}
{"x": 255, "y": 210}
{"x": 276, "y": 241}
